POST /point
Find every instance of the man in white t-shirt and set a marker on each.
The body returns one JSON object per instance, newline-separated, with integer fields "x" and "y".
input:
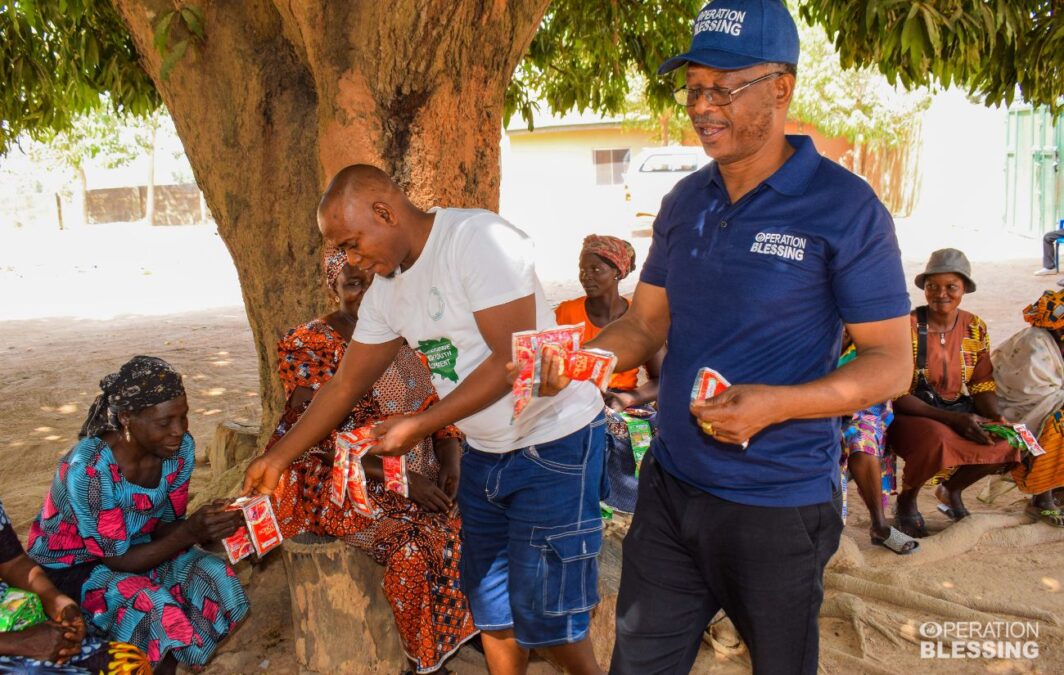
{"x": 455, "y": 284}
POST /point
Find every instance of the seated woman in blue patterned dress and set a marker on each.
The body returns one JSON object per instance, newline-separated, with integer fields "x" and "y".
{"x": 113, "y": 533}
{"x": 60, "y": 638}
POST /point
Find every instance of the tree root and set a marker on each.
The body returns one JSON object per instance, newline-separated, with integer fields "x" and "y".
{"x": 853, "y": 609}
{"x": 972, "y": 609}
{"x": 951, "y": 542}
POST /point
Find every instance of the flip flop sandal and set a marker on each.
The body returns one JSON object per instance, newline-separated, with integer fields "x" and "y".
{"x": 896, "y": 541}
{"x": 913, "y": 526}
{"x": 1052, "y": 517}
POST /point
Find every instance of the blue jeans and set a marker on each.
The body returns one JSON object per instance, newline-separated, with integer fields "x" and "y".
{"x": 531, "y": 534}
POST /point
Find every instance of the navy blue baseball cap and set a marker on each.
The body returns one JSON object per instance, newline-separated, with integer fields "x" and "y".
{"x": 734, "y": 34}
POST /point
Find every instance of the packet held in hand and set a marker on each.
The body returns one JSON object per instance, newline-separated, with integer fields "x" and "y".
{"x": 708, "y": 383}
{"x": 1029, "y": 440}
{"x": 351, "y": 447}
{"x": 587, "y": 365}
{"x": 259, "y": 533}
{"x": 527, "y": 347}
{"x": 237, "y": 545}
{"x": 263, "y": 530}
{"x": 19, "y": 610}
{"x": 395, "y": 478}
{"x": 338, "y": 474}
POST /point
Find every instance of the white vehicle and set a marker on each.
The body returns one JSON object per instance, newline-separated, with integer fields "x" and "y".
{"x": 653, "y": 172}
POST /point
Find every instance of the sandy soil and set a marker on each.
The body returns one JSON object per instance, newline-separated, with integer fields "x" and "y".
{"x": 50, "y": 368}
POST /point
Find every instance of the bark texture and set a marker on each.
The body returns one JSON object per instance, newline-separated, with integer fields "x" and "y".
{"x": 281, "y": 94}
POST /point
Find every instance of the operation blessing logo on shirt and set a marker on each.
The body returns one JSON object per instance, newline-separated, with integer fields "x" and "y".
{"x": 786, "y": 246}
{"x": 722, "y": 20}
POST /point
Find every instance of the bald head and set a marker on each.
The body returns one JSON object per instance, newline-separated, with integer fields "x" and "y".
{"x": 359, "y": 182}
{"x": 364, "y": 213}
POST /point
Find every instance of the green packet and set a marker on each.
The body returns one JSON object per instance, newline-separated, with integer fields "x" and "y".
{"x": 1006, "y": 432}
{"x": 607, "y": 511}
{"x": 20, "y": 609}
{"x": 639, "y": 435}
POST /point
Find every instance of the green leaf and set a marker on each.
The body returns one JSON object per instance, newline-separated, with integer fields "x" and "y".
{"x": 172, "y": 58}
{"x": 193, "y": 18}
{"x": 162, "y": 32}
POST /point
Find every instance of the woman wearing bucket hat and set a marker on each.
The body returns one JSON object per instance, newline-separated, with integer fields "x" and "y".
{"x": 939, "y": 425}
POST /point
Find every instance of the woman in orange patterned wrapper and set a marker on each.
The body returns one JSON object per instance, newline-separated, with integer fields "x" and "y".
{"x": 937, "y": 426}
{"x": 416, "y": 539}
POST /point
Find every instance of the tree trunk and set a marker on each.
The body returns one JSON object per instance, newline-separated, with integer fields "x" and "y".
{"x": 281, "y": 95}
{"x": 149, "y": 202}
{"x": 342, "y": 621}
{"x": 83, "y": 194}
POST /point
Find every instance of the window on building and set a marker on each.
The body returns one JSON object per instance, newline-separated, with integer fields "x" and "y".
{"x": 610, "y": 165}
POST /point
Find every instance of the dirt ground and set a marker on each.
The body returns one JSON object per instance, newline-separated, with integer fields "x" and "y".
{"x": 48, "y": 377}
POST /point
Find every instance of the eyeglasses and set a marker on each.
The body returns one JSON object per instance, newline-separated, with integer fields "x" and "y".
{"x": 717, "y": 96}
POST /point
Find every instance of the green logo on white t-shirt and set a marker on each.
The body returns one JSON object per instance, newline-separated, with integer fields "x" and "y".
{"x": 442, "y": 356}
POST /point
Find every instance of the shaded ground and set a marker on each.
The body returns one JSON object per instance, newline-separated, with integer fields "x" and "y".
{"x": 50, "y": 368}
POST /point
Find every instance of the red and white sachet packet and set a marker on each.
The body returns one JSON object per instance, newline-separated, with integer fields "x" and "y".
{"x": 260, "y": 532}
{"x": 710, "y": 383}
{"x": 527, "y": 347}
{"x": 238, "y": 545}
{"x": 583, "y": 365}
{"x": 351, "y": 447}
{"x": 395, "y": 478}
{"x": 1029, "y": 440}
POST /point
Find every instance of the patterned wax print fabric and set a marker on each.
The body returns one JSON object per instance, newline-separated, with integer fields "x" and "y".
{"x": 961, "y": 365}
{"x": 186, "y": 605}
{"x": 419, "y": 550}
{"x": 96, "y": 656}
{"x": 866, "y": 432}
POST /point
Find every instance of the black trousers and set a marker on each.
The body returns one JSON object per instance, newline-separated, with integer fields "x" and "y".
{"x": 689, "y": 554}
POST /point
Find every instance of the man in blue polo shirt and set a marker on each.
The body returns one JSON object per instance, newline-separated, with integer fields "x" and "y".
{"x": 758, "y": 261}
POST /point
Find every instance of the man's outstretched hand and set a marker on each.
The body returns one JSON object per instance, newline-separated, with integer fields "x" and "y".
{"x": 261, "y": 477}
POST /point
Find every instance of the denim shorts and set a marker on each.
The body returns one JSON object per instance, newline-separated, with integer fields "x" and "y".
{"x": 531, "y": 535}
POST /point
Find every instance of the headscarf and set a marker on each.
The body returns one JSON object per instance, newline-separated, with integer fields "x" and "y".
{"x": 1046, "y": 312}
{"x": 142, "y": 382}
{"x": 332, "y": 264}
{"x": 617, "y": 252}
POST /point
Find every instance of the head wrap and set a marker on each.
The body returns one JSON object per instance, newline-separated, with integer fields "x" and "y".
{"x": 1046, "y": 312}
{"x": 142, "y": 382}
{"x": 617, "y": 252}
{"x": 332, "y": 264}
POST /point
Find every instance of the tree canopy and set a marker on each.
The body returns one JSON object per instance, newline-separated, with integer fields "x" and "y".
{"x": 58, "y": 57}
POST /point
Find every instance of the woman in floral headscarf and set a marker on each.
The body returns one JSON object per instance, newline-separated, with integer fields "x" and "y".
{"x": 1029, "y": 372}
{"x": 415, "y": 539}
{"x": 604, "y": 261}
